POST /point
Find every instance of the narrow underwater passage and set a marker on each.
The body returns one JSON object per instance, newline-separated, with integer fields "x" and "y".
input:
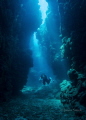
{"x": 40, "y": 62}
{"x": 38, "y": 36}
{"x": 45, "y": 46}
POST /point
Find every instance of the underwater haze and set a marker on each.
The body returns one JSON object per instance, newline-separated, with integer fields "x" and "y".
{"x": 42, "y": 60}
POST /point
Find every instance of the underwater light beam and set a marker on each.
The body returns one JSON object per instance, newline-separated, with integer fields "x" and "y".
{"x": 35, "y": 40}
{"x": 43, "y": 8}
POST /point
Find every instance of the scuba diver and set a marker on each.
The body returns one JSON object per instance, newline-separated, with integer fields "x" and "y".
{"x": 44, "y": 79}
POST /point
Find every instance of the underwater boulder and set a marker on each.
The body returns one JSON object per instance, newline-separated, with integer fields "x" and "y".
{"x": 73, "y": 75}
{"x": 64, "y": 85}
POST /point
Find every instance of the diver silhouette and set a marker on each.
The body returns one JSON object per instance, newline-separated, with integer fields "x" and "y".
{"x": 44, "y": 79}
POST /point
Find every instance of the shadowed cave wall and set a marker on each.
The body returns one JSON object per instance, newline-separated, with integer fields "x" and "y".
{"x": 73, "y": 48}
{"x": 17, "y": 24}
{"x": 72, "y": 32}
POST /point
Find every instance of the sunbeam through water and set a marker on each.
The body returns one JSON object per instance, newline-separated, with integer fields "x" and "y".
{"x": 39, "y": 58}
{"x": 40, "y": 63}
{"x": 43, "y": 8}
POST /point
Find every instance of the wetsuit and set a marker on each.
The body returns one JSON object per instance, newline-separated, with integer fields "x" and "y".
{"x": 45, "y": 79}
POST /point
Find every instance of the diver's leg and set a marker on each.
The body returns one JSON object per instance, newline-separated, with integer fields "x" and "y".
{"x": 44, "y": 82}
{"x": 48, "y": 81}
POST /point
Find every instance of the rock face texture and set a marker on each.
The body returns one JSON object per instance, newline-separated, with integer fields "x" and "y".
{"x": 72, "y": 97}
{"x": 17, "y": 23}
{"x": 73, "y": 49}
{"x": 73, "y": 33}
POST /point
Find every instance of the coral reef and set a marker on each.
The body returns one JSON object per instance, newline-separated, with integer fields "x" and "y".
{"x": 73, "y": 97}
{"x": 73, "y": 48}
{"x": 73, "y": 35}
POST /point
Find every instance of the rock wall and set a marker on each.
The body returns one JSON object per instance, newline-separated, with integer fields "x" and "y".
{"x": 18, "y": 21}
{"x": 73, "y": 48}
{"x": 73, "y": 32}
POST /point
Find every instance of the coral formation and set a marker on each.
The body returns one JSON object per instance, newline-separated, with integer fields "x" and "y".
{"x": 73, "y": 97}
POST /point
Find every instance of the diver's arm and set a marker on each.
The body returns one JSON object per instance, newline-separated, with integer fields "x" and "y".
{"x": 40, "y": 79}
